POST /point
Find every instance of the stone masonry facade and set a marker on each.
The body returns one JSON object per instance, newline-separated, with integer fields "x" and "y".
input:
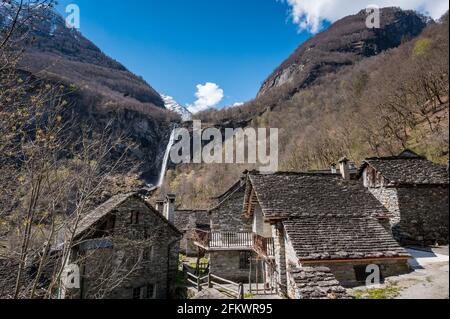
{"x": 228, "y": 217}
{"x": 227, "y": 264}
{"x": 345, "y": 272}
{"x": 187, "y": 221}
{"x": 143, "y": 251}
{"x": 419, "y": 215}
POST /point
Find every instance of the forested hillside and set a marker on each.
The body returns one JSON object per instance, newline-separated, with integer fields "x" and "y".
{"x": 376, "y": 106}
{"x": 101, "y": 93}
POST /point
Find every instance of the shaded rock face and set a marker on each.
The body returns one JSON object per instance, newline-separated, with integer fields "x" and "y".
{"x": 344, "y": 43}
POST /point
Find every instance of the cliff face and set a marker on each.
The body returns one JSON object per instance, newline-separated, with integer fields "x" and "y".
{"x": 344, "y": 43}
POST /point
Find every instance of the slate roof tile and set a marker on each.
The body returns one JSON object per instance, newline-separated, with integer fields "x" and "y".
{"x": 298, "y": 194}
{"x": 341, "y": 237}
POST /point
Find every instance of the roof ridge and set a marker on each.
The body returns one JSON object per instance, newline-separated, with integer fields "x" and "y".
{"x": 392, "y": 158}
{"x": 254, "y": 173}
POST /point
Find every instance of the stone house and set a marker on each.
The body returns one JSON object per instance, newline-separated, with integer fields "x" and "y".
{"x": 125, "y": 249}
{"x": 228, "y": 240}
{"x": 415, "y": 192}
{"x": 325, "y": 231}
{"x": 185, "y": 220}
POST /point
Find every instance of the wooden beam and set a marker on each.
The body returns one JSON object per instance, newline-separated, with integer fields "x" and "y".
{"x": 250, "y": 203}
{"x": 333, "y": 261}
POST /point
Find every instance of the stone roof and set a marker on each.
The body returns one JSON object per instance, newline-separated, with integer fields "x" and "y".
{"x": 317, "y": 283}
{"x": 408, "y": 170}
{"x": 341, "y": 236}
{"x": 185, "y": 219}
{"x": 101, "y": 211}
{"x": 239, "y": 186}
{"x": 108, "y": 207}
{"x": 288, "y": 195}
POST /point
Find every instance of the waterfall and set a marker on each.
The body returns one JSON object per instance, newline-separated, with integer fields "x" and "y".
{"x": 166, "y": 158}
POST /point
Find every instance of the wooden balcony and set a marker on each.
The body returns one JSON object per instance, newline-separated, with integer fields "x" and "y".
{"x": 263, "y": 246}
{"x": 234, "y": 241}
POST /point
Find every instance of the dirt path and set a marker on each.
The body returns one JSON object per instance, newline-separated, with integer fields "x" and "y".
{"x": 431, "y": 282}
{"x": 210, "y": 294}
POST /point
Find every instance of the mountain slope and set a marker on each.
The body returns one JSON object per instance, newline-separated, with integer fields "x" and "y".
{"x": 374, "y": 106}
{"x": 103, "y": 93}
{"x": 58, "y": 51}
{"x": 344, "y": 43}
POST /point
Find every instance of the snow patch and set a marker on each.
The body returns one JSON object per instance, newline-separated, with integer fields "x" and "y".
{"x": 172, "y": 105}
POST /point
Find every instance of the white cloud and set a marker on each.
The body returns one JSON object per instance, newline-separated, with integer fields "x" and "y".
{"x": 238, "y": 104}
{"x": 310, "y": 15}
{"x": 208, "y": 95}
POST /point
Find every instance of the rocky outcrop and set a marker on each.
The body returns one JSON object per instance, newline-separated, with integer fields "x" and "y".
{"x": 344, "y": 43}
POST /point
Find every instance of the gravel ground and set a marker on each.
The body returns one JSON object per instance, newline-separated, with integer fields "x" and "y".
{"x": 429, "y": 280}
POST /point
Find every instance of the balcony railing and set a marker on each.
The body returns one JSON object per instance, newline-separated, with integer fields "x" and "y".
{"x": 235, "y": 240}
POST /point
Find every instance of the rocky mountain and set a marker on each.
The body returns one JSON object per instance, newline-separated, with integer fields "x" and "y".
{"x": 344, "y": 43}
{"x": 348, "y": 91}
{"x": 103, "y": 92}
{"x": 68, "y": 55}
{"x": 172, "y": 105}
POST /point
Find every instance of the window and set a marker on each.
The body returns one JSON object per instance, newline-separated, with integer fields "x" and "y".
{"x": 145, "y": 292}
{"x": 244, "y": 260}
{"x": 134, "y": 218}
{"x": 150, "y": 292}
{"x": 147, "y": 254}
{"x": 361, "y": 275}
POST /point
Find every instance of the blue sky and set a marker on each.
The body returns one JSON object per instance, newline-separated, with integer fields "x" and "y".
{"x": 180, "y": 45}
{"x": 176, "y": 45}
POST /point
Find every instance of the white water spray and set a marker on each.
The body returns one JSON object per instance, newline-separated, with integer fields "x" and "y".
{"x": 166, "y": 158}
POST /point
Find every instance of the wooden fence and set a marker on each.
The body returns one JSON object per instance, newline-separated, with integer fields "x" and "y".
{"x": 211, "y": 281}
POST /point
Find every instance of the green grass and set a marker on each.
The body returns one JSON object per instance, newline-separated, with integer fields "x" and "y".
{"x": 389, "y": 292}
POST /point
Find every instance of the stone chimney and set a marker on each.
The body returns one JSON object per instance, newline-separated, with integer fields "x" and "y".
{"x": 345, "y": 168}
{"x": 160, "y": 206}
{"x": 333, "y": 168}
{"x": 169, "y": 208}
{"x": 243, "y": 179}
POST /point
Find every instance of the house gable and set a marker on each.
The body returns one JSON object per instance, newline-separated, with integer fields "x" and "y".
{"x": 407, "y": 169}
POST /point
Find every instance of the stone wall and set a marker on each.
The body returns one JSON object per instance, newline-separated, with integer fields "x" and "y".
{"x": 280, "y": 257}
{"x": 345, "y": 271}
{"x": 229, "y": 217}
{"x": 419, "y": 214}
{"x": 389, "y": 199}
{"x": 225, "y": 264}
{"x": 424, "y": 215}
{"x": 187, "y": 221}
